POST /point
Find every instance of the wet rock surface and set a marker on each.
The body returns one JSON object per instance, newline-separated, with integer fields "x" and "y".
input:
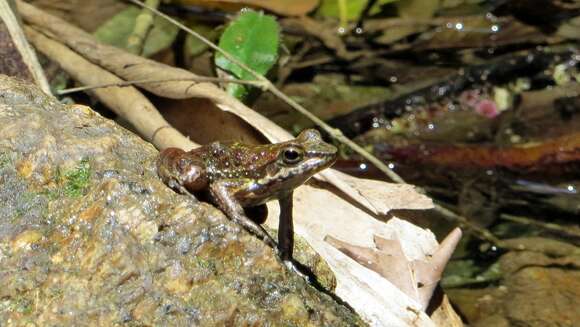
{"x": 536, "y": 290}
{"x": 90, "y": 236}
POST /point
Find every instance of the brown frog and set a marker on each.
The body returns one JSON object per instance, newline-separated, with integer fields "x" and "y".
{"x": 235, "y": 176}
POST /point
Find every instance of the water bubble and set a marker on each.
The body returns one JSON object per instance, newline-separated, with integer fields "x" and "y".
{"x": 494, "y": 28}
{"x": 393, "y": 79}
{"x": 362, "y": 166}
{"x": 529, "y": 58}
{"x": 491, "y": 17}
{"x": 341, "y": 30}
{"x": 391, "y": 165}
{"x": 431, "y": 126}
{"x": 358, "y": 30}
{"x": 571, "y": 189}
{"x": 459, "y": 26}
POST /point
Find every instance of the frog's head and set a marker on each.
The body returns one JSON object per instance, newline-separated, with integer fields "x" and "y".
{"x": 297, "y": 160}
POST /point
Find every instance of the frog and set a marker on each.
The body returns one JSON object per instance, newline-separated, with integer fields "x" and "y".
{"x": 235, "y": 177}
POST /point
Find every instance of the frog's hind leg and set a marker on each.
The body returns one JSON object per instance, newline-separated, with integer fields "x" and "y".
{"x": 223, "y": 194}
{"x": 181, "y": 171}
{"x": 258, "y": 214}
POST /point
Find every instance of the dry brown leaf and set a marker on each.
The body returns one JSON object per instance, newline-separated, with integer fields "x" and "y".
{"x": 445, "y": 316}
{"x": 382, "y": 196}
{"x": 282, "y": 7}
{"x": 416, "y": 277}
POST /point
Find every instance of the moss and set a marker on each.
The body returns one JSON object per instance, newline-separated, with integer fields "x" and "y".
{"x": 4, "y": 159}
{"x": 77, "y": 180}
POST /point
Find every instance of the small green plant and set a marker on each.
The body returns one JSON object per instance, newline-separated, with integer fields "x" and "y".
{"x": 77, "y": 180}
{"x": 252, "y": 38}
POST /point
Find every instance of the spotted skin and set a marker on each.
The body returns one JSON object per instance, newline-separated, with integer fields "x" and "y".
{"x": 237, "y": 175}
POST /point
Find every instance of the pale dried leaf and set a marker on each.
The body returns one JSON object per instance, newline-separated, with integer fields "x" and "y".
{"x": 416, "y": 278}
{"x": 445, "y": 316}
{"x": 382, "y": 196}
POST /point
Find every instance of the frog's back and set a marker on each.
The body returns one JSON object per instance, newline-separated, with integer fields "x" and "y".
{"x": 233, "y": 160}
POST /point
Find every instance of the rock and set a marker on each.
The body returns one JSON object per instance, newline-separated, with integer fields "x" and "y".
{"x": 90, "y": 236}
{"x": 536, "y": 290}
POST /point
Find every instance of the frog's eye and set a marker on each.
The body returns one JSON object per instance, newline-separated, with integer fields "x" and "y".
{"x": 292, "y": 155}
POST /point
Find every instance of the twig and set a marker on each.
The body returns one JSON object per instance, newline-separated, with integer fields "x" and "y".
{"x": 143, "y": 25}
{"x": 568, "y": 230}
{"x": 257, "y": 84}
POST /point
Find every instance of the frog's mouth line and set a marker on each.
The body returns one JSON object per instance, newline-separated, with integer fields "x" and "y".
{"x": 303, "y": 170}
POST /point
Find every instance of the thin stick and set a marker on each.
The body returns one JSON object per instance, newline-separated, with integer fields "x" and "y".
{"x": 160, "y": 80}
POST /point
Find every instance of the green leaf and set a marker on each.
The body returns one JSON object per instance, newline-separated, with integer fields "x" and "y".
{"x": 253, "y": 39}
{"x": 116, "y": 30}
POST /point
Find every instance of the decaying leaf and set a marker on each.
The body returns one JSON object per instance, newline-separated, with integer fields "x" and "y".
{"x": 416, "y": 277}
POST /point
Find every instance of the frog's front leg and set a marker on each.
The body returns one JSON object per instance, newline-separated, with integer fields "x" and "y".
{"x": 286, "y": 227}
{"x": 223, "y": 193}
